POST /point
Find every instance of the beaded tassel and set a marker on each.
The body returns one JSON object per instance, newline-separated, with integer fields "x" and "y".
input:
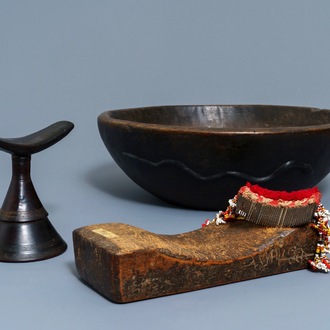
{"x": 321, "y": 262}
{"x": 225, "y": 216}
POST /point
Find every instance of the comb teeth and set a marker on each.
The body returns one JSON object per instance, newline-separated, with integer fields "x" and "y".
{"x": 274, "y": 216}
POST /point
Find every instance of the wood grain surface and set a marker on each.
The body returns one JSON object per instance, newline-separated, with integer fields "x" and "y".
{"x": 125, "y": 263}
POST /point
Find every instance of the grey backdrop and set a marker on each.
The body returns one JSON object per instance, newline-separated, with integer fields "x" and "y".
{"x": 75, "y": 59}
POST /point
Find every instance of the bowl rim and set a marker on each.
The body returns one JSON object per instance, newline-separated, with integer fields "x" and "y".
{"x": 106, "y": 118}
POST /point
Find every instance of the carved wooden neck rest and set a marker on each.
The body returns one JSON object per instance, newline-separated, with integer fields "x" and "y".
{"x": 26, "y": 233}
{"x": 126, "y": 263}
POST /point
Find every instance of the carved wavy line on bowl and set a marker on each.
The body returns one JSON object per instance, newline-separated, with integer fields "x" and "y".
{"x": 284, "y": 167}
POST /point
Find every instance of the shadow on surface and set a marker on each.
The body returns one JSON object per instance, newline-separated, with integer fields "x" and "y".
{"x": 110, "y": 179}
{"x": 324, "y": 186}
{"x": 72, "y": 268}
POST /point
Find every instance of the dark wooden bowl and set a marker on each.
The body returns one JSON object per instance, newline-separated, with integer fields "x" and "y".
{"x": 199, "y": 156}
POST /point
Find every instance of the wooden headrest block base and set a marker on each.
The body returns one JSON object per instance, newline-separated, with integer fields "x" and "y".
{"x": 126, "y": 264}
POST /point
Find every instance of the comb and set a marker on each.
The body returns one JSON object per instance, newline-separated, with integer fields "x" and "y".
{"x": 277, "y": 208}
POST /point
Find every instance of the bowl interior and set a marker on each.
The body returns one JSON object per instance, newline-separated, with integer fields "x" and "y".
{"x": 229, "y": 117}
